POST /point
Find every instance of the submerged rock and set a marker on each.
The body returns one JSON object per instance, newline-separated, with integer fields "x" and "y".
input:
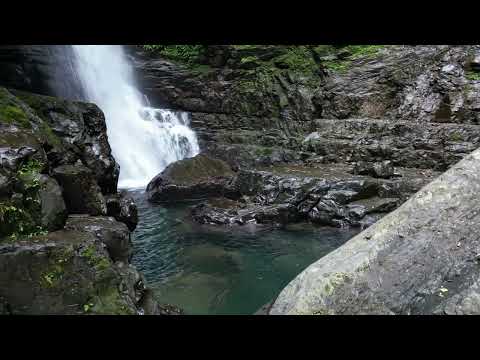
{"x": 420, "y": 259}
{"x": 199, "y": 177}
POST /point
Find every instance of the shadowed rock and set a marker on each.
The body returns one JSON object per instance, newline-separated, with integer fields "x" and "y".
{"x": 123, "y": 208}
{"x": 80, "y": 190}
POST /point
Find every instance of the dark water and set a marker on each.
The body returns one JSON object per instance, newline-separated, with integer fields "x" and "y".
{"x": 211, "y": 270}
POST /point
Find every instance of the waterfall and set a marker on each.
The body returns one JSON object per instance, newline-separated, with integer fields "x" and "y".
{"x": 144, "y": 140}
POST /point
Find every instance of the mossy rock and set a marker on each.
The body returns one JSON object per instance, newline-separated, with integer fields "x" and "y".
{"x": 12, "y": 112}
{"x": 198, "y": 168}
{"x": 53, "y": 274}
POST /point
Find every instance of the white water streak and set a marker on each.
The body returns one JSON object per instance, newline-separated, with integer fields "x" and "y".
{"x": 144, "y": 140}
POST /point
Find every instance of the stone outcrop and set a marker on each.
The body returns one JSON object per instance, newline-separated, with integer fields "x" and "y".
{"x": 41, "y": 69}
{"x": 335, "y": 135}
{"x": 336, "y": 113}
{"x": 55, "y": 161}
{"x": 295, "y": 194}
{"x": 420, "y": 259}
{"x": 345, "y": 144}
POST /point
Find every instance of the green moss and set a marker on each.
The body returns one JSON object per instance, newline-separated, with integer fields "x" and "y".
{"x": 456, "y": 137}
{"x": 200, "y": 69}
{"x": 248, "y": 59}
{"x": 109, "y": 302}
{"x": 18, "y": 222}
{"x": 184, "y": 53}
{"x": 52, "y": 276}
{"x": 22, "y": 218}
{"x": 472, "y": 75}
{"x": 337, "y": 66}
{"x": 359, "y": 51}
{"x": 264, "y": 151}
{"x": 244, "y": 47}
{"x": 49, "y": 135}
{"x": 350, "y": 52}
{"x": 99, "y": 262}
{"x": 328, "y": 289}
{"x": 298, "y": 59}
{"x": 10, "y": 112}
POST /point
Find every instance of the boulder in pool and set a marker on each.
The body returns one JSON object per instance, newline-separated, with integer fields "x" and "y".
{"x": 199, "y": 177}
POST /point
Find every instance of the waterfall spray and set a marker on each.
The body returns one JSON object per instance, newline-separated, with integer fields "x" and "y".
{"x": 144, "y": 140}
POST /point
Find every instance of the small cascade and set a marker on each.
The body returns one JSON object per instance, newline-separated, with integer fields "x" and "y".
{"x": 144, "y": 140}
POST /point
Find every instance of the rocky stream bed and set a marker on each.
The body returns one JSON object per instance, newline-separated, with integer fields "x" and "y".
{"x": 349, "y": 138}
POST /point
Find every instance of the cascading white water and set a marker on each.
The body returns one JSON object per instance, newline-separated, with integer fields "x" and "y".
{"x": 144, "y": 140}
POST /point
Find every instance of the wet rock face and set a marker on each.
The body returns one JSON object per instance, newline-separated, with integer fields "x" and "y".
{"x": 123, "y": 208}
{"x": 422, "y": 82}
{"x": 74, "y": 131}
{"x": 41, "y": 69}
{"x": 55, "y": 161}
{"x": 80, "y": 190}
{"x": 269, "y": 198}
{"x": 420, "y": 259}
{"x": 195, "y": 178}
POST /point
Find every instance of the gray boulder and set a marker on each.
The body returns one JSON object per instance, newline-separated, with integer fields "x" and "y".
{"x": 422, "y": 258}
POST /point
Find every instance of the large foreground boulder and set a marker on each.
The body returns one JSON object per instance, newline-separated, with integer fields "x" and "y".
{"x": 423, "y": 258}
{"x": 64, "y": 272}
{"x": 199, "y": 177}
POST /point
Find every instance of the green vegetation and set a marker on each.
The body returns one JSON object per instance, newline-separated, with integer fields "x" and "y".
{"x": 51, "y": 277}
{"x": 263, "y": 151}
{"x": 109, "y": 301}
{"x": 49, "y": 135}
{"x": 20, "y": 217}
{"x": 184, "y": 53}
{"x": 348, "y": 54}
{"x": 32, "y": 166}
{"x": 472, "y": 75}
{"x": 88, "y": 306}
{"x": 299, "y": 59}
{"x": 99, "y": 262}
{"x": 456, "y": 137}
{"x": 10, "y": 112}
